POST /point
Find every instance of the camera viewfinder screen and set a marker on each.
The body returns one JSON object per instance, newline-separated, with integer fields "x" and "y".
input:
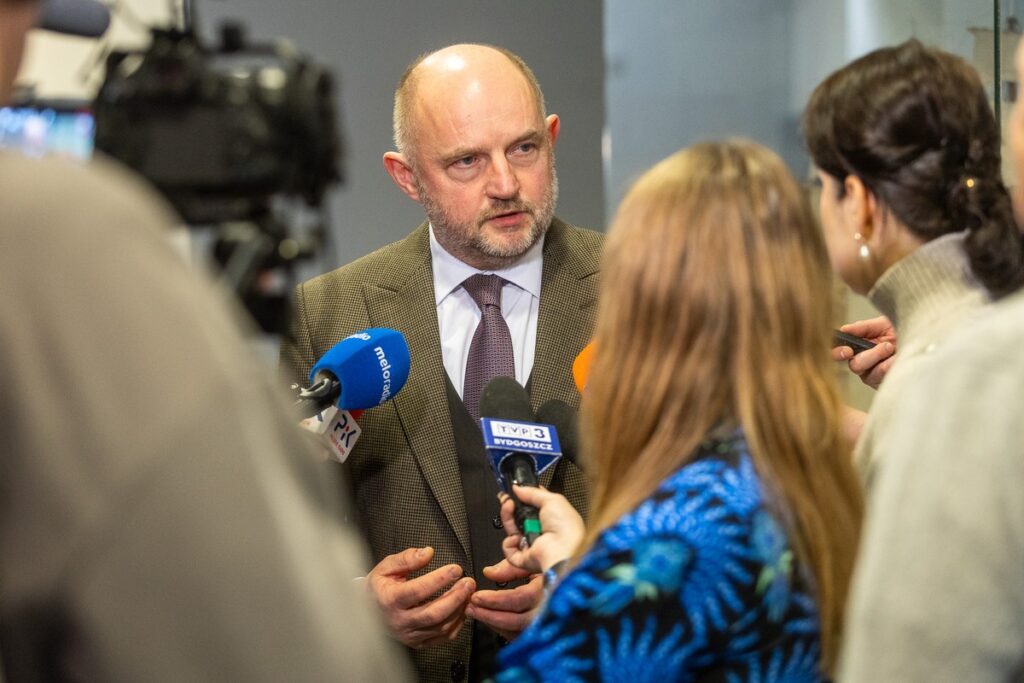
{"x": 41, "y": 130}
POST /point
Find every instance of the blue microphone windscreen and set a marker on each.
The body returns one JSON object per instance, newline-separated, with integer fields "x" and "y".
{"x": 371, "y": 366}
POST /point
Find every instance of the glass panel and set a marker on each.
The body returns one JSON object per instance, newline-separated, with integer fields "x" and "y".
{"x": 687, "y": 70}
{"x": 992, "y": 54}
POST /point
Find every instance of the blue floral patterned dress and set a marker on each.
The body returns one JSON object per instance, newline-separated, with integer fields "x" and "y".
{"x": 697, "y": 583}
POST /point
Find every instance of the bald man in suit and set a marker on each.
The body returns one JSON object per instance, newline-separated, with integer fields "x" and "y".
{"x": 475, "y": 148}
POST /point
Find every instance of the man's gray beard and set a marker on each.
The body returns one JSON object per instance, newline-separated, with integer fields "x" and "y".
{"x": 469, "y": 244}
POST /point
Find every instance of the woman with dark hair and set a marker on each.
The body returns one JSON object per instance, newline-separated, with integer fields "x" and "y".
{"x": 914, "y": 210}
{"x": 725, "y": 511}
{"x": 916, "y": 216}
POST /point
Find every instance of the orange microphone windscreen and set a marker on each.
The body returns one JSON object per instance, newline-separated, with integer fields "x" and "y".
{"x": 581, "y": 366}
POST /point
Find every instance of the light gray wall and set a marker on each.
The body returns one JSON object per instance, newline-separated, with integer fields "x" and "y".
{"x": 369, "y": 44}
{"x": 681, "y": 71}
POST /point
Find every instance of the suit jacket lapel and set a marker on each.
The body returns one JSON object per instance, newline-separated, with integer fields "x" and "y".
{"x": 406, "y": 303}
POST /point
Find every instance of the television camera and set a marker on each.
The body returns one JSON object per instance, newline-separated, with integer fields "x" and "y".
{"x": 230, "y": 134}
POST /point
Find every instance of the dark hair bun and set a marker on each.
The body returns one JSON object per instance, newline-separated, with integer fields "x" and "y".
{"x": 914, "y": 124}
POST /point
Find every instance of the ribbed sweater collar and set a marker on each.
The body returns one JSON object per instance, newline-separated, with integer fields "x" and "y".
{"x": 927, "y": 285}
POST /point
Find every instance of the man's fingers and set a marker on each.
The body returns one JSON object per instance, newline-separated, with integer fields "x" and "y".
{"x": 405, "y": 562}
{"x": 410, "y": 593}
{"x": 506, "y": 623}
{"x": 450, "y": 628}
{"x": 424, "y": 623}
{"x": 449, "y": 633}
{"x": 520, "y": 599}
{"x": 505, "y": 570}
{"x": 437, "y": 636}
{"x": 439, "y": 611}
{"x": 508, "y": 611}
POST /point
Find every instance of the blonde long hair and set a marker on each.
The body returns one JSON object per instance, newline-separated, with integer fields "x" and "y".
{"x": 716, "y": 306}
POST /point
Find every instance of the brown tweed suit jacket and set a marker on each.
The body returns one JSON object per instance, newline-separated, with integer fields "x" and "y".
{"x": 404, "y": 471}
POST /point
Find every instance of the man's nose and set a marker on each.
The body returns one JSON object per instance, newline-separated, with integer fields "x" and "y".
{"x": 502, "y": 182}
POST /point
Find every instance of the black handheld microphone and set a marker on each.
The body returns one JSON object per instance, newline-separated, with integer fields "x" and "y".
{"x": 518, "y": 448}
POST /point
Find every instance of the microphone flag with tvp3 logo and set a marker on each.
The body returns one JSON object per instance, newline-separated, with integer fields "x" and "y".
{"x": 502, "y": 438}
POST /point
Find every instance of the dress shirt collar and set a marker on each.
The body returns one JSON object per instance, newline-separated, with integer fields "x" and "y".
{"x": 450, "y": 272}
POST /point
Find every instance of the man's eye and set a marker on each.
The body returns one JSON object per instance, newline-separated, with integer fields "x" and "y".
{"x": 465, "y": 162}
{"x": 526, "y": 147}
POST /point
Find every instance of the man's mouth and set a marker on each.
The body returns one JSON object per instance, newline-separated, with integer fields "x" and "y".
{"x": 507, "y": 219}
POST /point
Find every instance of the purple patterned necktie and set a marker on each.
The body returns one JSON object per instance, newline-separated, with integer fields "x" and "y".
{"x": 490, "y": 352}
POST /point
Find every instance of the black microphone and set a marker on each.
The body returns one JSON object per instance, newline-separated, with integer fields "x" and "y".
{"x": 508, "y": 423}
{"x": 84, "y": 18}
{"x": 562, "y": 417}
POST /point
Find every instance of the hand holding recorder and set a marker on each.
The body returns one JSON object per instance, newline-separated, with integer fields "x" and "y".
{"x": 869, "y": 346}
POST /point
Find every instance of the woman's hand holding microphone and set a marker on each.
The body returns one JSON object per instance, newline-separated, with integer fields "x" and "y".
{"x": 562, "y": 529}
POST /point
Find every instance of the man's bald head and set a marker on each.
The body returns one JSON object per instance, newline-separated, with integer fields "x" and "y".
{"x": 452, "y": 66}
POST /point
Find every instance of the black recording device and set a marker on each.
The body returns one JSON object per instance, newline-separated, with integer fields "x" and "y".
{"x": 226, "y": 133}
{"x": 219, "y": 131}
{"x": 858, "y": 344}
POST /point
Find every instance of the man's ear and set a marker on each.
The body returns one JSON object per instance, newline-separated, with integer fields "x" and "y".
{"x": 401, "y": 172}
{"x": 554, "y": 125}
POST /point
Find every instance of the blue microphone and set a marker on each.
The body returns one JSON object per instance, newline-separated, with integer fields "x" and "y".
{"x": 518, "y": 448}
{"x": 361, "y": 371}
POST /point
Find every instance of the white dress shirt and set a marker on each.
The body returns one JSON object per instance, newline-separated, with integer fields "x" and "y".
{"x": 458, "y": 315}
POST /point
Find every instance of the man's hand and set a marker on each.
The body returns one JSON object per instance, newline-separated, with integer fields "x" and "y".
{"x": 871, "y": 365}
{"x": 403, "y": 601}
{"x": 510, "y": 611}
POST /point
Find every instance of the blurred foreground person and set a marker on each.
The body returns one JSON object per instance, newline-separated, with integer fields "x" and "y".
{"x": 158, "y": 518}
{"x": 916, "y": 215}
{"x": 726, "y": 511}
